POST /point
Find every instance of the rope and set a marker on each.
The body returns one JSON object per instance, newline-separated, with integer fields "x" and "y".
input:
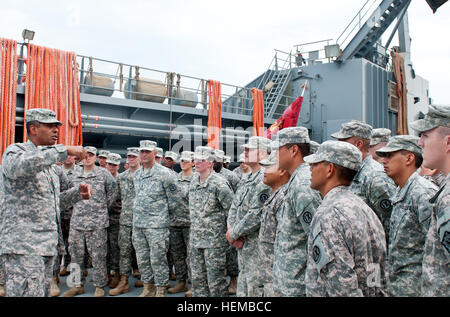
{"x": 8, "y": 87}
{"x": 214, "y": 113}
{"x": 52, "y": 83}
{"x": 258, "y": 112}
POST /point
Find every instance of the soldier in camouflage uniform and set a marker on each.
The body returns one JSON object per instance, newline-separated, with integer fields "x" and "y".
{"x": 152, "y": 183}
{"x": 127, "y": 194}
{"x": 346, "y": 242}
{"x": 242, "y": 169}
{"x": 170, "y": 160}
{"x": 313, "y": 146}
{"x": 180, "y": 221}
{"x": 371, "y": 183}
{"x": 276, "y": 178}
{"x": 210, "y": 198}
{"x": 411, "y": 214}
{"x": 102, "y": 157}
{"x": 232, "y": 267}
{"x": 65, "y": 184}
{"x": 435, "y": 140}
{"x": 30, "y": 228}
{"x": 71, "y": 169}
{"x": 244, "y": 217}
{"x": 113, "y": 254}
{"x": 379, "y": 139}
{"x": 159, "y": 155}
{"x": 295, "y": 215}
{"x": 219, "y": 168}
{"x": 226, "y": 161}
{"x": 89, "y": 223}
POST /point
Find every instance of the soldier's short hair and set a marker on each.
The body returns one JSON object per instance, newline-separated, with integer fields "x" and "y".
{"x": 418, "y": 158}
{"x": 304, "y": 148}
{"x": 345, "y": 174}
{"x": 32, "y": 123}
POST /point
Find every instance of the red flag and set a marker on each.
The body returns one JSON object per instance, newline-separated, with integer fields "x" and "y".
{"x": 288, "y": 119}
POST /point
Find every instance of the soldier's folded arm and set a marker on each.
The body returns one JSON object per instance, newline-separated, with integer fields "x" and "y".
{"x": 19, "y": 163}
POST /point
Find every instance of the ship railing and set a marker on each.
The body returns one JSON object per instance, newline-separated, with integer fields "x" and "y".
{"x": 356, "y": 23}
{"x": 123, "y": 74}
{"x": 312, "y": 52}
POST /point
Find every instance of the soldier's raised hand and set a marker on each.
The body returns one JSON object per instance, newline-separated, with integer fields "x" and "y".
{"x": 85, "y": 191}
{"x": 77, "y": 151}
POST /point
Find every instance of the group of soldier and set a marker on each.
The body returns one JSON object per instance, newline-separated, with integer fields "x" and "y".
{"x": 365, "y": 214}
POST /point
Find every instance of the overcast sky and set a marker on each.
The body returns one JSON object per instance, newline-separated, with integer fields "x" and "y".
{"x": 231, "y": 41}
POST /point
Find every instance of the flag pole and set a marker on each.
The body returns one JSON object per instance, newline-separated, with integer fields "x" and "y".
{"x": 304, "y": 87}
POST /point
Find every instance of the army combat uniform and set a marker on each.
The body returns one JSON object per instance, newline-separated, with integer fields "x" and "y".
{"x": 231, "y": 177}
{"x": 89, "y": 223}
{"x": 151, "y": 222}
{"x": 244, "y": 219}
{"x": 31, "y": 218}
{"x": 266, "y": 240}
{"x": 436, "y": 260}
{"x": 66, "y": 215}
{"x": 410, "y": 220}
{"x": 126, "y": 222}
{"x": 346, "y": 243}
{"x": 371, "y": 183}
{"x": 113, "y": 254}
{"x": 209, "y": 202}
{"x": 180, "y": 224}
{"x": 293, "y": 221}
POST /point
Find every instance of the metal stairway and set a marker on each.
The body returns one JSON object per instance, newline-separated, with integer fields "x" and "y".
{"x": 278, "y": 80}
{"x": 273, "y": 97}
{"x": 362, "y": 44}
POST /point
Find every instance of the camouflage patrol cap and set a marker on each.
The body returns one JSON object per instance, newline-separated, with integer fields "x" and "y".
{"x": 91, "y": 149}
{"x": 172, "y": 155}
{"x": 257, "y": 142}
{"x": 187, "y": 156}
{"x": 114, "y": 158}
{"x": 401, "y": 142}
{"x": 437, "y": 116}
{"x": 41, "y": 115}
{"x": 380, "y": 135}
{"x": 293, "y": 135}
{"x": 134, "y": 151}
{"x": 159, "y": 152}
{"x": 103, "y": 153}
{"x": 339, "y": 153}
{"x": 241, "y": 158}
{"x": 272, "y": 159}
{"x": 204, "y": 153}
{"x": 313, "y": 147}
{"x": 227, "y": 159}
{"x": 219, "y": 155}
{"x": 354, "y": 128}
{"x": 147, "y": 145}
